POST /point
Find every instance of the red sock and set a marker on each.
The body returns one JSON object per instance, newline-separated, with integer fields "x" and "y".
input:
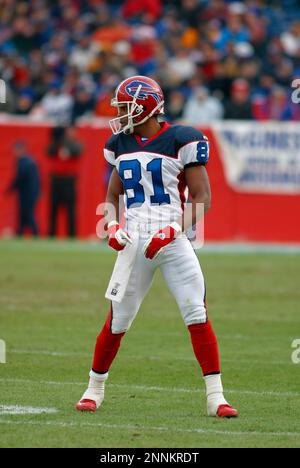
{"x": 106, "y": 348}
{"x": 205, "y": 347}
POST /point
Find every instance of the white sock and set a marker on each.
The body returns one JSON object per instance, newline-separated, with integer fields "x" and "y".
{"x": 94, "y": 377}
{"x": 96, "y": 387}
{"x": 214, "y": 393}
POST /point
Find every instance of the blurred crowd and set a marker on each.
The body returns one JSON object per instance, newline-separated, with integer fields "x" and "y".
{"x": 215, "y": 59}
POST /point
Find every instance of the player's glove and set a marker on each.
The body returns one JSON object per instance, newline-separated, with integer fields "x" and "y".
{"x": 155, "y": 245}
{"x": 117, "y": 238}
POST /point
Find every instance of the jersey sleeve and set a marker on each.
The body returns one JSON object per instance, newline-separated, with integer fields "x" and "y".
{"x": 193, "y": 147}
{"x": 109, "y": 151}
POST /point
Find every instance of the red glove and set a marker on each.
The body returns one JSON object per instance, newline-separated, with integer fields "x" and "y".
{"x": 117, "y": 238}
{"x": 155, "y": 245}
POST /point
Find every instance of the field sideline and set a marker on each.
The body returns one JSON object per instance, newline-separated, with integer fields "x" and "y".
{"x": 52, "y": 306}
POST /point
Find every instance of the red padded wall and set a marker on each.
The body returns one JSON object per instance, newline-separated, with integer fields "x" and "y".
{"x": 233, "y": 217}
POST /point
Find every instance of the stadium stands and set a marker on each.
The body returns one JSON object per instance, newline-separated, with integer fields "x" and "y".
{"x": 77, "y": 51}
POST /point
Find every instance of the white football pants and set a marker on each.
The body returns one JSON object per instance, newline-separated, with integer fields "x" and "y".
{"x": 183, "y": 275}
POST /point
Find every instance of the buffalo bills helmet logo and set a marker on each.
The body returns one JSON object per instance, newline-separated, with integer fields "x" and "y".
{"x": 145, "y": 91}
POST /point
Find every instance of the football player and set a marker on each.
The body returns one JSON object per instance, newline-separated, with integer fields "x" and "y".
{"x": 153, "y": 164}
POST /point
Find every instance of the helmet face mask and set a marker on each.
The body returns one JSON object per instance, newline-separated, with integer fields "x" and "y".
{"x": 124, "y": 123}
{"x": 118, "y": 124}
{"x": 143, "y": 98}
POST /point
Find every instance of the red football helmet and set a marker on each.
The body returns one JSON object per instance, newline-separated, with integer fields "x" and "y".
{"x": 143, "y": 97}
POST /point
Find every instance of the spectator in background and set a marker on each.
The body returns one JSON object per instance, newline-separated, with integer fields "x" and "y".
{"x": 175, "y": 106}
{"x": 143, "y": 46}
{"x": 239, "y": 106}
{"x": 22, "y": 35}
{"x": 290, "y": 40}
{"x": 220, "y": 84}
{"x": 202, "y": 108}
{"x": 84, "y": 53}
{"x": 133, "y": 9}
{"x": 182, "y": 66}
{"x": 284, "y": 73}
{"x": 276, "y": 106}
{"x": 215, "y": 9}
{"x": 64, "y": 151}
{"x": 189, "y": 12}
{"x": 84, "y": 103}
{"x": 57, "y": 105}
{"x": 265, "y": 86}
{"x": 24, "y": 104}
{"x": 234, "y": 32}
{"x": 26, "y": 184}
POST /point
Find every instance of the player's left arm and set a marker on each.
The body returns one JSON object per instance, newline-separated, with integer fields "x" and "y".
{"x": 200, "y": 196}
{"x": 194, "y": 155}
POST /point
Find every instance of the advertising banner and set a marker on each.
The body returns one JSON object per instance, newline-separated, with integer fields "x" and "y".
{"x": 260, "y": 157}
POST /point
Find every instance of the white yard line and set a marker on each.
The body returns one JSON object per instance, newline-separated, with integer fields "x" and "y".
{"x": 15, "y": 409}
{"x": 48, "y": 353}
{"x": 147, "y": 388}
{"x": 150, "y": 428}
{"x": 151, "y": 358}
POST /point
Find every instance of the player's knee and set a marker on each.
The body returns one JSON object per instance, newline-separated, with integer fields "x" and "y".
{"x": 194, "y": 314}
{"x": 123, "y": 317}
{"x": 120, "y": 326}
{"x": 118, "y": 330}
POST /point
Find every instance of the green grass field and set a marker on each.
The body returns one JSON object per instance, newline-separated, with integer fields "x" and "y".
{"x": 52, "y": 306}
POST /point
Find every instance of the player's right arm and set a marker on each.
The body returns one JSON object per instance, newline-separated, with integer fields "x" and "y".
{"x": 114, "y": 192}
{"x": 117, "y": 238}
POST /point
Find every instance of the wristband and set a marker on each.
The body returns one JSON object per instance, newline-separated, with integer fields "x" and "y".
{"x": 176, "y": 227}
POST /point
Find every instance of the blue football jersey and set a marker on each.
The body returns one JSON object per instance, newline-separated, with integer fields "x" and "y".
{"x": 152, "y": 170}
